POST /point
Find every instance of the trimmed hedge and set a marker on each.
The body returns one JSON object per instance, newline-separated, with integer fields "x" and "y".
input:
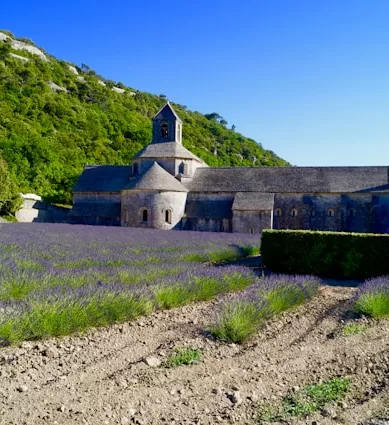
{"x": 327, "y": 254}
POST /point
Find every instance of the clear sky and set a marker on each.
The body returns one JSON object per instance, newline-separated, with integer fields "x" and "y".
{"x": 308, "y": 79}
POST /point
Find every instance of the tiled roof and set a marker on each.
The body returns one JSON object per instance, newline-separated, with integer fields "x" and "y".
{"x": 166, "y": 150}
{"x": 167, "y": 112}
{"x": 103, "y": 178}
{"x": 156, "y": 178}
{"x": 289, "y": 179}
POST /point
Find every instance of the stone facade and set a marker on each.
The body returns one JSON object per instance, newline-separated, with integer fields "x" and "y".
{"x": 167, "y": 187}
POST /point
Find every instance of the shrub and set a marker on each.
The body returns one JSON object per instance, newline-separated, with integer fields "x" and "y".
{"x": 372, "y": 298}
{"x": 241, "y": 318}
{"x": 283, "y": 292}
{"x": 330, "y": 254}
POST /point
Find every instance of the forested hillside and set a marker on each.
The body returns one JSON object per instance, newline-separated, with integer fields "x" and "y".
{"x": 56, "y": 117}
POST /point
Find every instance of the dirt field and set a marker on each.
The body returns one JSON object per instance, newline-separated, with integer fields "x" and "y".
{"x": 103, "y": 377}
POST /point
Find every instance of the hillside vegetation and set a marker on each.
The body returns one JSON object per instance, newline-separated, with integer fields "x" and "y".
{"x": 55, "y": 118}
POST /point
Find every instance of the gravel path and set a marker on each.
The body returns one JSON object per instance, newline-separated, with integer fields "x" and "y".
{"x": 103, "y": 377}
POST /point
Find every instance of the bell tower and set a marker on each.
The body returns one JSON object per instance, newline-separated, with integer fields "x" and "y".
{"x": 167, "y": 126}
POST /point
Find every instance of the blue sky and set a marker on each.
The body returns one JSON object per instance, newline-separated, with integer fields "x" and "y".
{"x": 308, "y": 79}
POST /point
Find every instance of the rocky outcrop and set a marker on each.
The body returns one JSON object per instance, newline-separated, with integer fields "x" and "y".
{"x": 21, "y": 45}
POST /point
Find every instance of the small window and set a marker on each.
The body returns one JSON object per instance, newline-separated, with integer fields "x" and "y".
{"x": 251, "y": 230}
{"x": 331, "y": 212}
{"x": 164, "y": 131}
{"x": 178, "y": 132}
{"x": 312, "y": 213}
{"x": 293, "y": 213}
{"x": 278, "y": 212}
{"x": 352, "y": 212}
{"x": 125, "y": 214}
{"x": 145, "y": 215}
{"x": 168, "y": 216}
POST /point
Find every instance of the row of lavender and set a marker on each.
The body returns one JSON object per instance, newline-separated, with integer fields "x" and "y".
{"x": 57, "y": 279}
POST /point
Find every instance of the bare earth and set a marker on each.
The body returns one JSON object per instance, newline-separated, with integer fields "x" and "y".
{"x": 102, "y": 377}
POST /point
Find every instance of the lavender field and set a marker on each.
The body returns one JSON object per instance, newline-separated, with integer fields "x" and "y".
{"x": 56, "y": 279}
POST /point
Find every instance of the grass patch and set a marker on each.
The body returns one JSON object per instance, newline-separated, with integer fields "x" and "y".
{"x": 354, "y": 328}
{"x": 183, "y": 356}
{"x": 305, "y": 401}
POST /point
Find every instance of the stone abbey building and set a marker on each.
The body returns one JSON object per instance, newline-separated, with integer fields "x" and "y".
{"x": 167, "y": 187}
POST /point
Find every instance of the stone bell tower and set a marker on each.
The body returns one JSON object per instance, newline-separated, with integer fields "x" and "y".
{"x": 167, "y": 126}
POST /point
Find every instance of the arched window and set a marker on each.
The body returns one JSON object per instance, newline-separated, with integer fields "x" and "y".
{"x": 331, "y": 212}
{"x": 183, "y": 168}
{"x": 168, "y": 216}
{"x": 178, "y": 138}
{"x": 164, "y": 131}
{"x": 251, "y": 230}
{"x": 293, "y": 213}
{"x": 312, "y": 213}
{"x": 145, "y": 215}
{"x": 278, "y": 212}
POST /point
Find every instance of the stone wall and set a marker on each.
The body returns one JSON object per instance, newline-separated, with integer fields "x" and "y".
{"x": 333, "y": 212}
{"x": 96, "y": 197}
{"x": 208, "y": 224}
{"x": 380, "y": 213}
{"x": 252, "y": 221}
{"x": 96, "y": 221}
{"x": 157, "y": 205}
{"x": 41, "y": 212}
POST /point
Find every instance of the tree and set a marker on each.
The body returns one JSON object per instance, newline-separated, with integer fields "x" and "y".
{"x": 214, "y": 116}
{"x": 10, "y": 200}
{"x": 5, "y": 49}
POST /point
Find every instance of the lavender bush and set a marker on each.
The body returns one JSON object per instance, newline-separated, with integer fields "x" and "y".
{"x": 56, "y": 279}
{"x": 242, "y": 317}
{"x": 372, "y": 298}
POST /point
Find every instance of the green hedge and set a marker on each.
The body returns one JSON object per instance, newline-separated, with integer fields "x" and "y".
{"x": 327, "y": 254}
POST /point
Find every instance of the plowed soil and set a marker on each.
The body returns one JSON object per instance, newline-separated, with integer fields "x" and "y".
{"x": 102, "y": 377}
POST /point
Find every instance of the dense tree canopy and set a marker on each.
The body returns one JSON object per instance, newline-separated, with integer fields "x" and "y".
{"x": 10, "y": 200}
{"x": 47, "y": 135}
